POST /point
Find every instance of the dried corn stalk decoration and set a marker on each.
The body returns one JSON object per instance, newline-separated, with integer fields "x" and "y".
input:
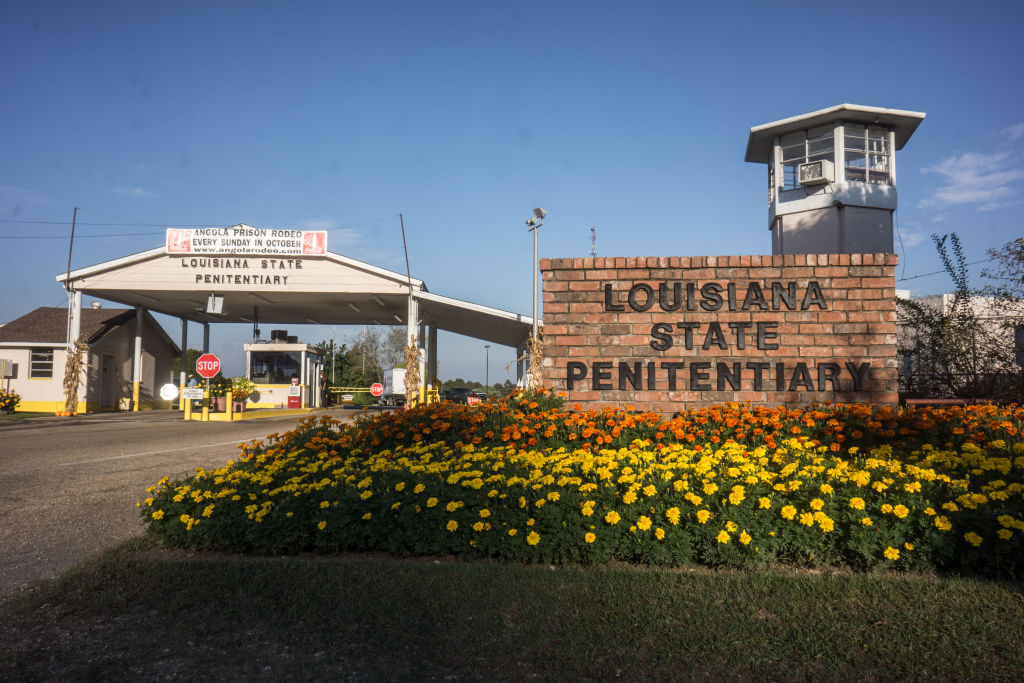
{"x": 73, "y": 374}
{"x": 412, "y": 373}
{"x": 535, "y": 356}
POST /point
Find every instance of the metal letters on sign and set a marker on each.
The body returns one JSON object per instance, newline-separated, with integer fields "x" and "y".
{"x": 377, "y": 389}
{"x": 242, "y": 239}
{"x": 207, "y": 365}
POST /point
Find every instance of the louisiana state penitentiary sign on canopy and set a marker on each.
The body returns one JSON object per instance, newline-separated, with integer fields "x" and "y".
{"x": 663, "y": 333}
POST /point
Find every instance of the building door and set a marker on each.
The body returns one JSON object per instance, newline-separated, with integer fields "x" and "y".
{"x": 107, "y": 397}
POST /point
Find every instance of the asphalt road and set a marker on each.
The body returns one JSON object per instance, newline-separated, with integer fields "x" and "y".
{"x": 68, "y": 486}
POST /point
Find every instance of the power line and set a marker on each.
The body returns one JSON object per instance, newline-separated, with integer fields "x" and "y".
{"x": 972, "y": 263}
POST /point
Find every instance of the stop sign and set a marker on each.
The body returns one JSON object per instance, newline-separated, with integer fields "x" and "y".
{"x": 207, "y": 365}
{"x": 377, "y": 389}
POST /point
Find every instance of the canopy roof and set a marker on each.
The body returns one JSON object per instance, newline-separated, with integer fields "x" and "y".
{"x": 328, "y": 289}
{"x": 903, "y": 124}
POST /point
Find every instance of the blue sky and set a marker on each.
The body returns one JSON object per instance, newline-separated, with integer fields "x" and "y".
{"x": 463, "y": 116}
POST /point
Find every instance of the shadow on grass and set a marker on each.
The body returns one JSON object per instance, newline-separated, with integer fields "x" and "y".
{"x": 138, "y": 611}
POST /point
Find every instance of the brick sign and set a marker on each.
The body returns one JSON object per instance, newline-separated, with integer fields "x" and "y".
{"x": 664, "y": 333}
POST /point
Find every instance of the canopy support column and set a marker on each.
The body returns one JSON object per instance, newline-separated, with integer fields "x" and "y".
{"x": 431, "y": 355}
{"x": 184, "y": 362}
{"x": 137, "y": 359}
{"x": 206, "y": 337}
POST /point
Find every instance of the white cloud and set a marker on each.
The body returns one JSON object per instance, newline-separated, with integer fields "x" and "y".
{"x": 912, "y": 238}
{"x": 987, "y": 181}
{"x": 336, "y": 237}
{"x": 1014, "y": 132}
{"x": 140, "y": 192}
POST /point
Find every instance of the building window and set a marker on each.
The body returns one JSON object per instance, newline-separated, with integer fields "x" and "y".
{"x": 275, "y": 367}
{"x": 867, "y": 152}
{"x": 802, "y": 147}
{"x": 41, "y": 365}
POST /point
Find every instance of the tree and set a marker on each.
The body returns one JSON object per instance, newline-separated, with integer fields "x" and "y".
{"x": 1007, "y": 275}
{"x": 191, "y": 356}
{"x": 393, "y": 348}
{"x": 956, "y": 347}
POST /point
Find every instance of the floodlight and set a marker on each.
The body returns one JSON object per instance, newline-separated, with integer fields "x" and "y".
{"x": 540, "y": 213}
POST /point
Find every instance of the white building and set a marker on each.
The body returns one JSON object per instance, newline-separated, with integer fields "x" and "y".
{"x": 35, "y": 348}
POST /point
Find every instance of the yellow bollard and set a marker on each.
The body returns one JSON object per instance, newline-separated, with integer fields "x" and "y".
{"x": 135, "y": 396}
{"x": 188, "y": 410}
{"x": 206, "y": 401}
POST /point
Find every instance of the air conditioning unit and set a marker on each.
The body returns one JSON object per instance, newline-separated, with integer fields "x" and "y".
{"x": 816, "y": 172}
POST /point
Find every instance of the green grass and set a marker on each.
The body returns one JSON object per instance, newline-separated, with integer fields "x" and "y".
{"x": 21, "y": 416}
{"x": 138, "y": 611}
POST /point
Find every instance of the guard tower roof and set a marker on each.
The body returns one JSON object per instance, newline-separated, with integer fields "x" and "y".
{"x": 903, "y": 123}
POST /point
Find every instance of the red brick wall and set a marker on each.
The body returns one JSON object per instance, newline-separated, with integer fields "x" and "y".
{"x": 843, "y": 316}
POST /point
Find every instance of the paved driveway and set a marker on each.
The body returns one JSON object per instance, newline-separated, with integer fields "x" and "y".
{"x": 68, "y": 486}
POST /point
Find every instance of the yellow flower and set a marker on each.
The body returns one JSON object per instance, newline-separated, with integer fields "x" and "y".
{"x": 485, "y": 513}
{"x": 644, "y": 523}
{"x": 929, "y": 511}
{"x": 418, "y": 488}
{"x": 765, "y": 503}
{"x": 886, "y": 508}
{"x": 612, "y": 517}
{"x": 731, "y": 527}
{"x": 366, "y": 494}
{"x": 208, "y": 510}
{"x": 399, "y": 486}
{"x": 1005, "y": 534}
{"x": 972, "y": 538}
{"x": 900, "y": 511}
{"x": 723, "y": 536}
{"x": 703, "y": 516}
{"x": 587, "y": 509}
{"x": 745, "y": 538}
{"x": 737, "y": 495}
{"x": 158, "y": 514}
{"x": 710, "y": 488}
{"x": 479, "y": 526}
{"x": 908, "y": 546}
{"x": 540, "y": 502}
{"x": 368, "y": 516}
{"x": 522, "y": 502}
{"x": 650, "y": 490}
{"x": 530, "y": 521}
{"x": 672, "y": 515}
{"x": 629, "y": 497}
{"x": 513, "y": 532}
{"x": 891, "y": 553}
{"x": 857, "y": 503}
{"x": 807, "y": 519}
{"x": 788, "y": 512}
{"x": 533, "y": 538}
{"x": 553, "y": 496}
{"x": 659, "y": 533}
{"x": 321, "y": 526}
{"x": 324, "y": 504}
{"x": 453, "y": 506}
{"x": 866, "y": 521}
{"x": 826, "y": 489}
{"x": 590, "y": 537}
{"x": 942, "y": 523}
{"x": 431, "y": 502}
{"x": 817, "y": 504}
{"x": 452, "y": 525}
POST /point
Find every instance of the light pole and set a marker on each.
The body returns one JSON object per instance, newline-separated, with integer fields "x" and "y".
{"x": 487, "y": 368}
{"x": 534, "y": 227}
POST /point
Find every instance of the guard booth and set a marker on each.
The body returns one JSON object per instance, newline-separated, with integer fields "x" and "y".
{"x": 285, "y": 372}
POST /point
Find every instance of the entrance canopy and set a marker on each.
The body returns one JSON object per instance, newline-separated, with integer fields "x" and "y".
{"x": 281, "y": 287}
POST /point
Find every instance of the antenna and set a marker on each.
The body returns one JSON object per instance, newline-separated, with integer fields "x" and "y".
{"x": 593, "y": 241}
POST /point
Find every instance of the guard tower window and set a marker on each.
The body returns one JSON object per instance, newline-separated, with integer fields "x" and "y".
{"x": 41, "y": 364}
{"x": 867, "y": 153}
{"x": 804, "y": 146}
{"x": 275, "y": 367}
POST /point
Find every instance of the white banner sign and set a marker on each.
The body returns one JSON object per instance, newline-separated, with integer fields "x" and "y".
{"x": 192, "y": 393}
{"x": 241, "y": 239}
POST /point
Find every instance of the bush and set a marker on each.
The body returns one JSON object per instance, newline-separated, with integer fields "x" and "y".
{"x": 9, "y": 400}
{"x": 854, "y": 485}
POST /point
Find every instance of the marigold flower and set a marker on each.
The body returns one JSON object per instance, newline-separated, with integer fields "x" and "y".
{"x": 157, "y": 514}
{"x": 788, "y": 512}
{"x": 644, "y": 523}
{"x": 973, "y": 538}
{"x": 659, "y": 534}
{"x": 452, "y": 525}
{"x": 321, "y": 526}
{"x": 745, "y": 538}
{"x": 704, "y": 515}
{"x": 612, "y": 517}
{"x": 533, "y": 538}
{"x": 723, "y": 536}
{"x": 672, "y": 515}
{"x": 891, "y": 553}
{"x": 590, "y": 537}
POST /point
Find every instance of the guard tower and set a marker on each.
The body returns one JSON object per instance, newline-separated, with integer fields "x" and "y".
{"x": 832, "y": 177}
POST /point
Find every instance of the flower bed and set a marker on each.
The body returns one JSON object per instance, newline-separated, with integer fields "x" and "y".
{"x": 9, "y": 400}
{"x": 526, "y": 480}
